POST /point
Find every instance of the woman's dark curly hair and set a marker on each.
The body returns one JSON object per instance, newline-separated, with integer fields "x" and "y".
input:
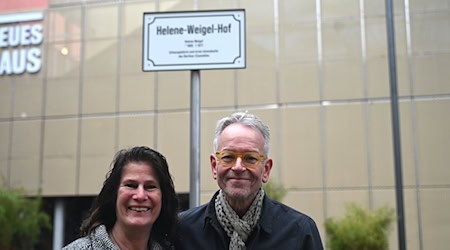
{"x": 103, "y": 210}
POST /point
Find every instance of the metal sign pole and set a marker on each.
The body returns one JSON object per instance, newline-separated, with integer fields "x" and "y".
{"x": 395, "y": 124}
{"x": 194, "y": 184}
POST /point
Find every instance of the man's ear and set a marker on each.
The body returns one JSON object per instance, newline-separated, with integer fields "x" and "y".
{"x": 213, "y": 161}
{"x": 267, "y": 168}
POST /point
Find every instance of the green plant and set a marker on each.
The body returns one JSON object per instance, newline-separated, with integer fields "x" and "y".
{"x": 359, "y": 229}
{"x": 274, "y": 190}
{"x": 21, "y": 220}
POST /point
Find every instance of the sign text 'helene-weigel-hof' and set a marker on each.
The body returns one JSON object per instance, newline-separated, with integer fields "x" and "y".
{"x": 194, "y": 40}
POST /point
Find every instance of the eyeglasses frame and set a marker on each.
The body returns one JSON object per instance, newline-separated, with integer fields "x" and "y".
{"x": 260, "y": 157}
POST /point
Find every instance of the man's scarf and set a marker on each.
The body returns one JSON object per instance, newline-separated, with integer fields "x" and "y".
{"x": 236, "y": 228}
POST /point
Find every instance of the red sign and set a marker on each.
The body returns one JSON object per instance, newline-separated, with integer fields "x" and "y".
{"x": 20, "y": 5}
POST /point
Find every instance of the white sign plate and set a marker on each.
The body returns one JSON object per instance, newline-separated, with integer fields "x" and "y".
{"x": 194, "y": 40}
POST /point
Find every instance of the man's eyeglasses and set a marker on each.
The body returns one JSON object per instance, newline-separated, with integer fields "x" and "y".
{"x": 248, "y": 159}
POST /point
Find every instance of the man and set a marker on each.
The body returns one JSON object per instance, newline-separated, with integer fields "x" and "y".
{"x": 240, "y": 215}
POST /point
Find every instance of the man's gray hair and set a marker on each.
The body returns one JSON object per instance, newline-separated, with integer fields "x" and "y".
{"x": 246, "y": 119}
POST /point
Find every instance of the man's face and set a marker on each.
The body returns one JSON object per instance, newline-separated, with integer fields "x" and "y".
{"x": 239, "y": 183}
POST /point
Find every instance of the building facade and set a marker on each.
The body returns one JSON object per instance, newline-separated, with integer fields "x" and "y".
{"x": 72, "y": 93}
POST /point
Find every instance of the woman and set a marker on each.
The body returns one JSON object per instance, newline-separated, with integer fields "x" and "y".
{"x": 136, "y": 208}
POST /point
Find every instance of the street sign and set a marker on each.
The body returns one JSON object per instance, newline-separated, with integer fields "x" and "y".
{"x": 194, "y": 40}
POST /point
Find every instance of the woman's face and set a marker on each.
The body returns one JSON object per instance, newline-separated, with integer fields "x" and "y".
{"x": 139, "y": 197}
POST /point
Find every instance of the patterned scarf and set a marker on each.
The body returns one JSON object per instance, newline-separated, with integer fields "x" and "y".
{"x": 236, "y": 228}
